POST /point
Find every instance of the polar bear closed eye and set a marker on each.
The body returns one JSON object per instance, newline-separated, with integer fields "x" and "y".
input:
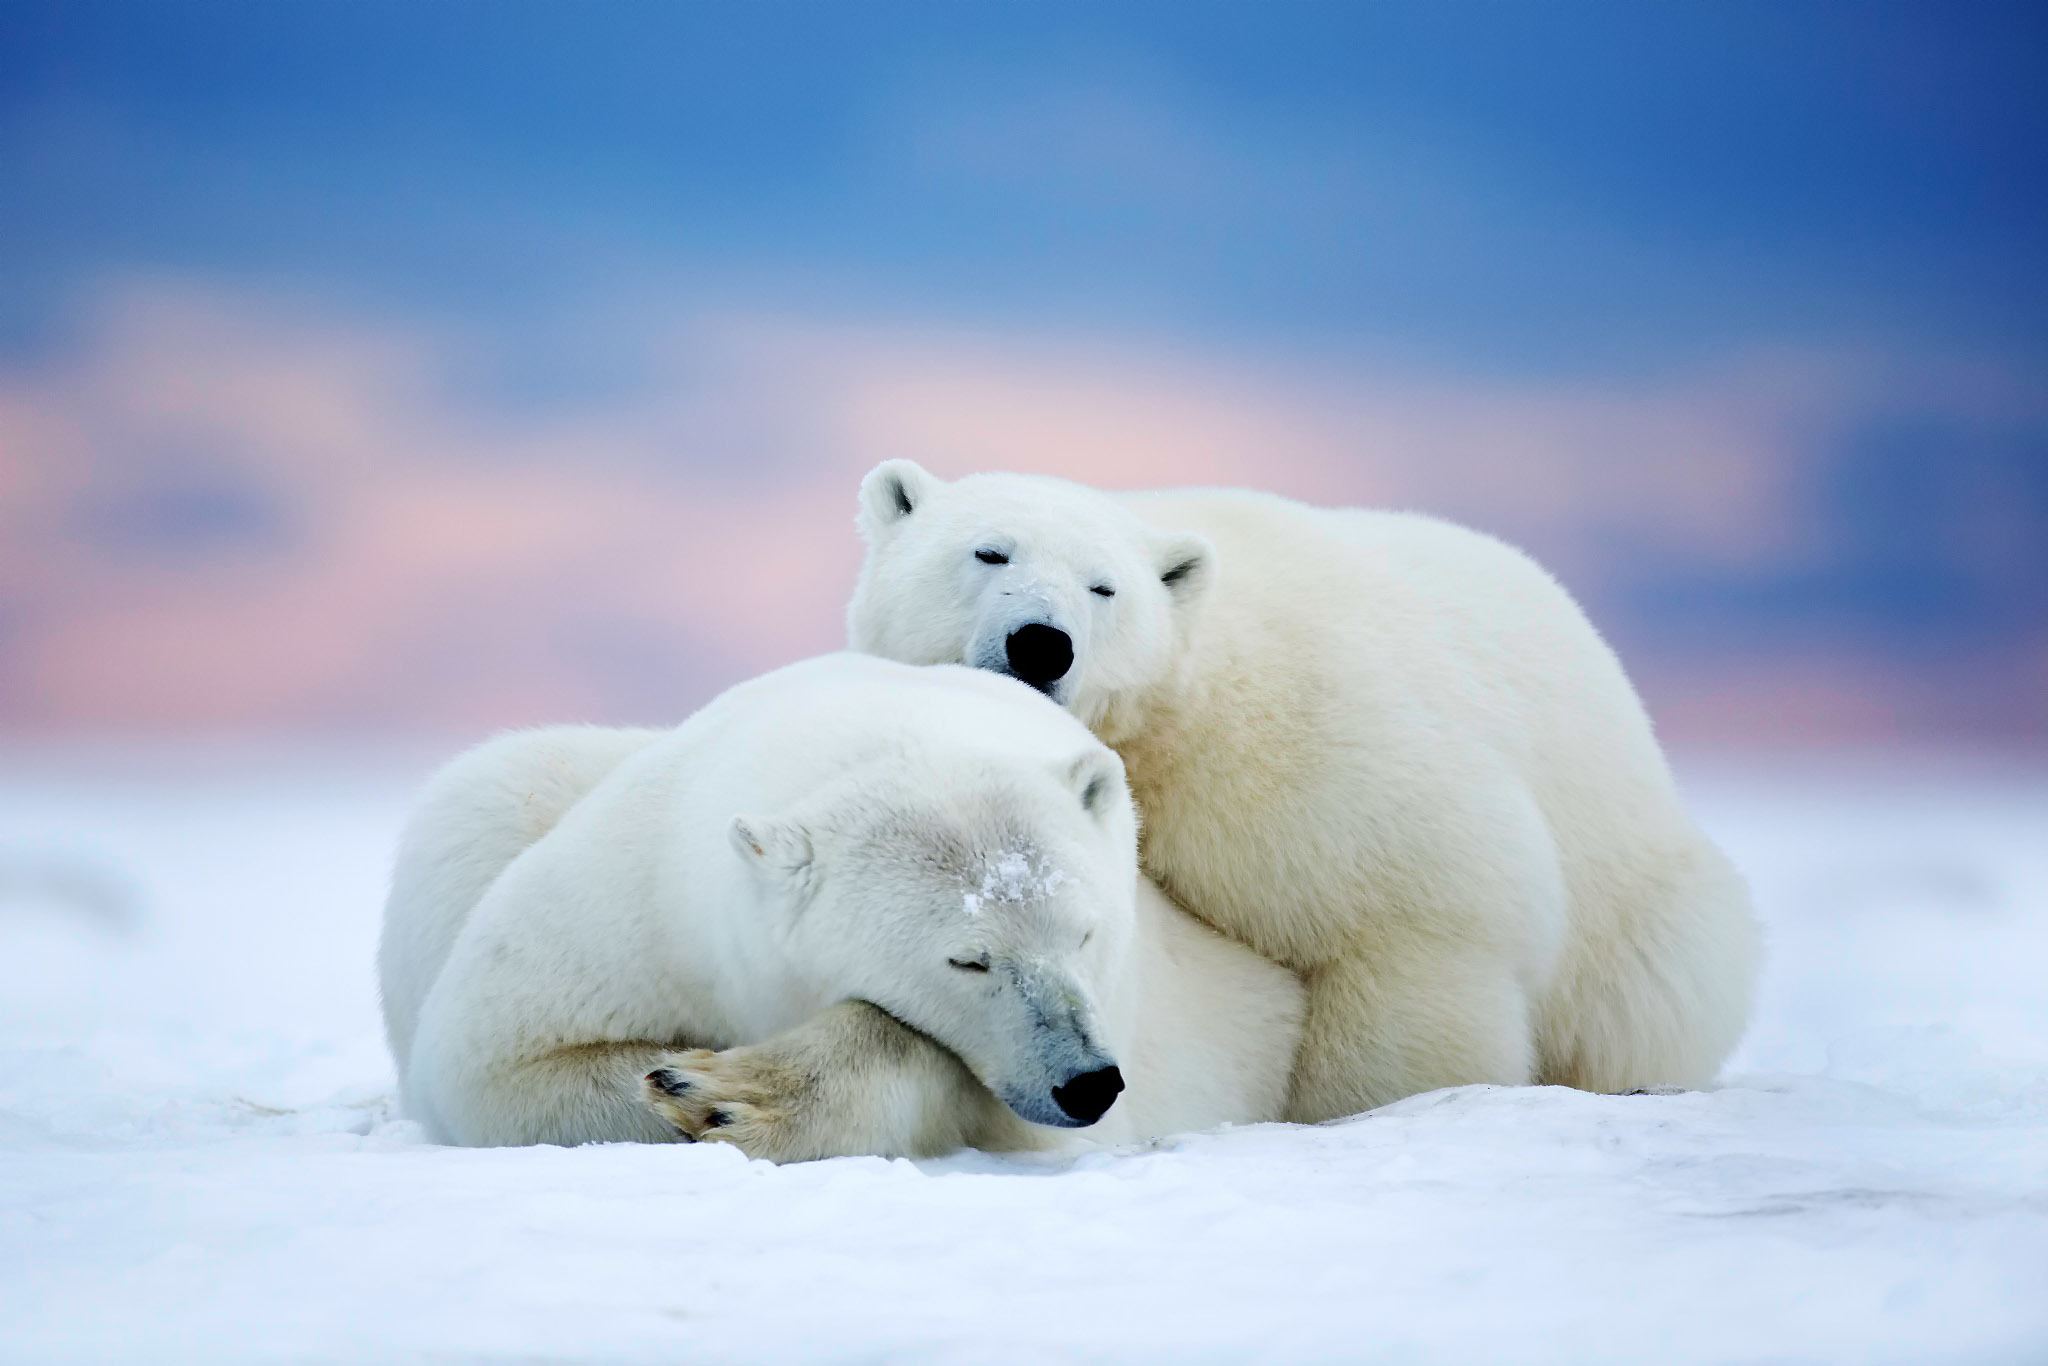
{"x": 1386, "y": 751}
{"x": 849, "y": 907}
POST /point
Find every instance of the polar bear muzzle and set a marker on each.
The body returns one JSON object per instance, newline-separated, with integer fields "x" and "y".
{"x": 1087, "y": 1097}
{"x": 1039, "y": 654}
{"x": 1079, "y": 1101}
{"x": 1046, "y": 1063}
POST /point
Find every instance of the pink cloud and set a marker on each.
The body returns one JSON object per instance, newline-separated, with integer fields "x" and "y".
{"x": 448, "y": 563}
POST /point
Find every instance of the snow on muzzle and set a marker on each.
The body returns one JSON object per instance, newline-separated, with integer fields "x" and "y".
{"x": 1068, "y": 1081}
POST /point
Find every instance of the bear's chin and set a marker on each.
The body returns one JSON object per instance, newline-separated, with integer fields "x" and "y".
{"x": 1038, "y": 1109}
{"x": 1058, "y": 691}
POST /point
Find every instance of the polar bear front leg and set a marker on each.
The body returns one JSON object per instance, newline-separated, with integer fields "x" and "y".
{"x": 850, "y": 1080}
{"x": 1403, "y": 1018}
{"x": 575, "y": 1093}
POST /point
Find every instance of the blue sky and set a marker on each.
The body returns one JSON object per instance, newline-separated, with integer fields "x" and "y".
{"x": 1528, "y": 187}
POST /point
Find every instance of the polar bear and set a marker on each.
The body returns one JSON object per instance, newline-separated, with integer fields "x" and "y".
{"x": 577, "y": 918}
{"x": 1383, "y": 750}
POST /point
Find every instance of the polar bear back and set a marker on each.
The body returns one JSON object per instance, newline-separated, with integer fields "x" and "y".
{"x": 1413, "y": 609}
{"x": 1342, "y": 646}
{"x": 474, "y": 817}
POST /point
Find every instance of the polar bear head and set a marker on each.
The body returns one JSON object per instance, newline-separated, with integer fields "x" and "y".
{"x": 1047, "y": 581}
{"x": 987, "y": 901}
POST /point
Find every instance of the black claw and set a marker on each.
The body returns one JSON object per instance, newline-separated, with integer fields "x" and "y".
{"x": 717, "y": 1119}
{"x": 664, "y": 1080}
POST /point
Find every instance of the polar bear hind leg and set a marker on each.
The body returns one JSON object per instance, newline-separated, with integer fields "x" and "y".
{"x": 1664, "y": 1003}
{"x": 1405, "y": 1018}
{"x": 1436, "y": 982}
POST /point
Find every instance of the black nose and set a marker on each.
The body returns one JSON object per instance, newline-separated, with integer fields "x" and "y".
{"x": 1039, "y": 654}
{"x": 1087, "y": 1097}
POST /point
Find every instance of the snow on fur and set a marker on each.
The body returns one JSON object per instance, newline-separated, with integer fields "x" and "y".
{"x": 1016, "y": 876}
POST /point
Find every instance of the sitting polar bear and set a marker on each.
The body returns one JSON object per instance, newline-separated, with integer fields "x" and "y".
{"x": 577, "y": 915}
{"x": 1385, "y": 751}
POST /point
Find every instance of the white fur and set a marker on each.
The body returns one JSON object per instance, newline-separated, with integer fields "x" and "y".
{"x": 1383, "y": 750}
{"x": 572, "y": 907}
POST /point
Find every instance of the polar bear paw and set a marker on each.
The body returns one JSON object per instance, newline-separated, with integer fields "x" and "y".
{"x": 738, "y": 1096}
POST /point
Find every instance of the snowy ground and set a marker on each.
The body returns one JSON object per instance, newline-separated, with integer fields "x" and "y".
{"x": 199, "y": 1159}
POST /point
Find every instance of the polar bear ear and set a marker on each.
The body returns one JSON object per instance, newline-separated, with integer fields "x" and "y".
{"x": 1097, "y": 779}
{"x": 891, "y": 492}
{"x": 1186, "y": 562}
{"x": 778, "y": 849}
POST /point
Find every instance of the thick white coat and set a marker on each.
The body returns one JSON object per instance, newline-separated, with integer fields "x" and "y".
{"x": 1386, "y": 751}
{"x": 572, "y": 909}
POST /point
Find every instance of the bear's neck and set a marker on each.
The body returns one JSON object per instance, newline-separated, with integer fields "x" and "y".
{"x": 1146, "y": 726}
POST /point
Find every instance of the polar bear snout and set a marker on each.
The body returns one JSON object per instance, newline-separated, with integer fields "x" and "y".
{"x": 1063, "y": 1077}
{"x": 1039, "y": 654}
{"x": 1087, "y": 1096}
{"x": 1075, "y": 1103}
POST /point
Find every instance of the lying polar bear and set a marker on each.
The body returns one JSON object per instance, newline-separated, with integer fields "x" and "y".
{"x": 577, "y": 915}
{"x": 1383, "y": 750}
